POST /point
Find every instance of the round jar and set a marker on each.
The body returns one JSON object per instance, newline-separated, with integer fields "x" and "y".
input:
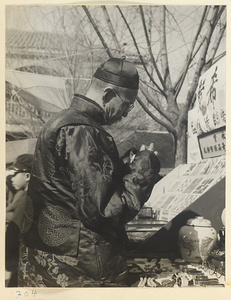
{"x": 196, "y": 239}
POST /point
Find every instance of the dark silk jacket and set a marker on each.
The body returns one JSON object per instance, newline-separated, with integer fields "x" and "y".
{"x": 77, "y": 177}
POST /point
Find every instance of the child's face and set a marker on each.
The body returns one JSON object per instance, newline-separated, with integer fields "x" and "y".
{"x": 20, "y": 180}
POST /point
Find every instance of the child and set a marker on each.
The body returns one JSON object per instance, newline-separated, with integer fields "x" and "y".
{"x": 19, "y": 177}
{"x": 142, "y": 169}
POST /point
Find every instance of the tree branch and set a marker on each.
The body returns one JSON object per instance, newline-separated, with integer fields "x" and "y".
{"x": 150, "y": 48}
{"x": 220, "y": 12}
{"x": 159, "y": 121}
{"x": 164, "y": 54}
{"x": 156, "y": 104}
{"x": 138, "y": 51}
{"x": 212, "y": 23}
{"x": 214, "y": 49}
{"x": 97, "y": 31}
{"x": 190, "y": 56}
{"x": 150, "y": 86}
{"x": 111, "y": 28}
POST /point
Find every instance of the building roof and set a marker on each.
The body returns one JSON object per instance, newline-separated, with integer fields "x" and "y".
{"x": 31, "y": 41}
{"x": 50, "y": 43}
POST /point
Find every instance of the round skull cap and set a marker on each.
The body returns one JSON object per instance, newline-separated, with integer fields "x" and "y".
{"x": 120, "y": 72}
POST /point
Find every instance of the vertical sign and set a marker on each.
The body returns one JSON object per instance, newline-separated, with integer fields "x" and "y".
{"x": 209, "y": 112}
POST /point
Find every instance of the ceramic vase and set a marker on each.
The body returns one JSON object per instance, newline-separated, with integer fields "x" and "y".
{"x": 196, "y": 240}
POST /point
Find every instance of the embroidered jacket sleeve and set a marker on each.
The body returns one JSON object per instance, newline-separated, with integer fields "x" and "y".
{"x": 104, "y": 195}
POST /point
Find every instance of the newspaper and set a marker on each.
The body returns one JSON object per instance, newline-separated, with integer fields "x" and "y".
{"x": 184, "y": 185}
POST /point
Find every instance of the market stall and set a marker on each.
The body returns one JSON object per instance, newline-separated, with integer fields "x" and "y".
{"x": 178, "y": 238}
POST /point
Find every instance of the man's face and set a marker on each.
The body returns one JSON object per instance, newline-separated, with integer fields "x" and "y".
{"x": 119, "y": 106}
{"x": 20, "y": 180}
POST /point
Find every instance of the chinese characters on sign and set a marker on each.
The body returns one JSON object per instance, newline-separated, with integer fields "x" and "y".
{"x": 208, "y": 113}
{"x": 209, "y": 110}
{"x": 213, "y": 144}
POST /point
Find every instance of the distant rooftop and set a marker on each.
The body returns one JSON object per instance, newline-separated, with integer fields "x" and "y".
{"x": 31, "y": 41}
{"x": 48, "y": 43}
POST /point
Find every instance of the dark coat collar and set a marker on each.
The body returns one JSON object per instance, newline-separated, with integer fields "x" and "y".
{"x": 89, "y": 108}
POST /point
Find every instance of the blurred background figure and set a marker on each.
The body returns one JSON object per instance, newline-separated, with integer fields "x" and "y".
{"x": 18, "y": 176}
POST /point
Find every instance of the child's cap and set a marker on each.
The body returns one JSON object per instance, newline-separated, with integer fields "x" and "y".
{"x": 23, "y": 163}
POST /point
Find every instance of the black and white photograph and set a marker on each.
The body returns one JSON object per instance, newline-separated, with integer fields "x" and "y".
{"x": 115, "y": 147}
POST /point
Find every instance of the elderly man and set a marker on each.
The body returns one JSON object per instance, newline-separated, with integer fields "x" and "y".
{"x": 80, "y": 194}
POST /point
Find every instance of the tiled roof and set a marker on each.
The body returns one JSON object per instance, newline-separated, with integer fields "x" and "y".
{"x": 33, "y": 40}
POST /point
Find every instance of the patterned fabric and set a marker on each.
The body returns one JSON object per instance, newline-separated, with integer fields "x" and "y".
{"x": 98, "y": 264}
{"x": 79, "y": 199}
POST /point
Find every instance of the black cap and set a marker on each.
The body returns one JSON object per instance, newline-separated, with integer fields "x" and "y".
{"x": 120, "y": 72}
{"x": 23, "y": 163}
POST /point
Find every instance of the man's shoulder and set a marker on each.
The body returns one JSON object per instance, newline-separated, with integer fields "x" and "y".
{"x": 70, "y": 117}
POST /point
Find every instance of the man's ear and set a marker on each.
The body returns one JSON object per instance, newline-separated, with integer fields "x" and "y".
{"x": 108, "y": 94}
{"x": 27, "y": 176}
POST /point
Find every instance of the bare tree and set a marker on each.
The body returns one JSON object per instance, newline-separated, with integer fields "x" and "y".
{"x": 159, "y": 88}
{"x": 171, "y": 45}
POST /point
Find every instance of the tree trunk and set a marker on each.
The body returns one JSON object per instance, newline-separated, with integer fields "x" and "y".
{"x": 181, "y": 145}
